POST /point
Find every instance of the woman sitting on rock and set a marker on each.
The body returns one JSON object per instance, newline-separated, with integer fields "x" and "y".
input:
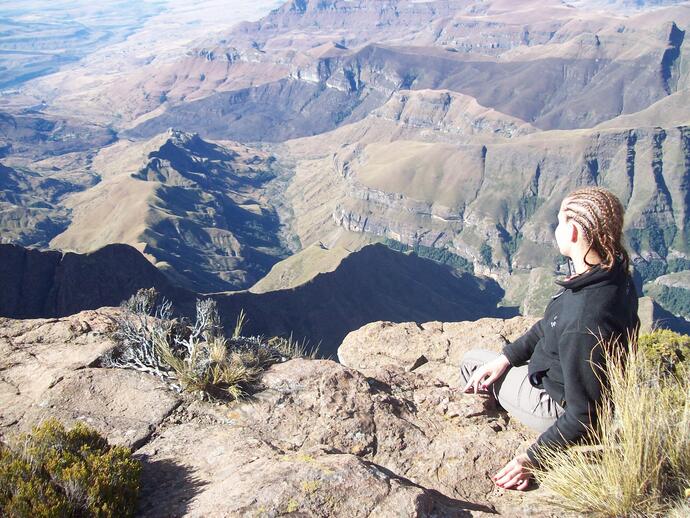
{"x": 549, "y": 378}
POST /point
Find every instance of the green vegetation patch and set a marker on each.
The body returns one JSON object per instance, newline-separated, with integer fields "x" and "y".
{"x": 673, "y": 299}
{"x": 655, "y": 237}
{"x": 653, "y": 268}
{"x": 678, "y": 264}
{"x": 667, "y": 349}
{"x": 485, "y": 254}
{"x": 650, "y": 270}
{"x": 53, "y": 472}
{"x": 438, "y": 255}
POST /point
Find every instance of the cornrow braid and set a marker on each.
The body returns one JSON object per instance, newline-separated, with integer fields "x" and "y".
{"x": 600, "y": 216}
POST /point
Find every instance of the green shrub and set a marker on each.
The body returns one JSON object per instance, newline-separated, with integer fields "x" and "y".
{"x": 194, "y": 357}
{"x": 640, "y": 465}
{"x": 667, "y": 349}
{"x": 52, "y": 472}
{"x": 678, "y": 264}
{"x": 485, "y": 254}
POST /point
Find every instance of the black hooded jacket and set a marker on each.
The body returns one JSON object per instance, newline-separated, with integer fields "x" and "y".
{"x": 563, "y": 349}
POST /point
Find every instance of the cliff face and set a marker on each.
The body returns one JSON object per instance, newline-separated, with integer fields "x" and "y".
{"x": 508, "y": 193}
{"x": 51, "y": 284}
{"x": 592, "y": 65}
{"x": 389, "y": 442}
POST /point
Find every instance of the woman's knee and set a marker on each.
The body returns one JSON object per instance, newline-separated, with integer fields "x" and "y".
{"x": 478, "y": 357}
{"x": 530, "y": 405}
{"x": 473, "y": 359}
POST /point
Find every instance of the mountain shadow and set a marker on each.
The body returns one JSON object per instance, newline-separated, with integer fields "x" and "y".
{"x": 375, "y": 283}
{"x": 46, "y": 284}
{"x": 372, "y": 284}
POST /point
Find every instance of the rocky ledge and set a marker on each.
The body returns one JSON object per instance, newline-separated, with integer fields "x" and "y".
{"x": 387, "y": 432}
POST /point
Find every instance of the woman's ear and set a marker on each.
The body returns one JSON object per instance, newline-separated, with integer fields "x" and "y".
{"x": 574, "y": 232}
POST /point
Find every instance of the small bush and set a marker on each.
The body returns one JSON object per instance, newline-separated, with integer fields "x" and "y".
{"x": 641, "y": 466}
{"x": 668, "y": 350}
{"x": 53, "y": 472}
{"x": 194, "y": 357}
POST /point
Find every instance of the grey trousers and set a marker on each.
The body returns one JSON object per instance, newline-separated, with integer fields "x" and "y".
{"x": 532, "y": 406}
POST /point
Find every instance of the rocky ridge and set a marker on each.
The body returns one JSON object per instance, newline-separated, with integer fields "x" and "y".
{"x": 319, "y": 437}
{"x": 198, "y": 210}
{"x": 53, "y": 284}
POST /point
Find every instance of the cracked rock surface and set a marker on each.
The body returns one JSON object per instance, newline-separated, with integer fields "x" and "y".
{"x": 318, "y": 439}
{"x": 433, "y": 348}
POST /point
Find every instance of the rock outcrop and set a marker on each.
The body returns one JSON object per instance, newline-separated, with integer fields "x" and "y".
{"x": 319, "y": 438}
{"x": 653, "y": 316}
{"x": 38, "y": 283}
{"x": 433, "y": 348}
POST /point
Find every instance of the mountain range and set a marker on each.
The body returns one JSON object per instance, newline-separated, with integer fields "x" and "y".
{"x": 264, "y": 156}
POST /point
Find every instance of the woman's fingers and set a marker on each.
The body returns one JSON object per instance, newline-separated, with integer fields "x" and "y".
{"x": 514, "y": 475}
{"x": 491, "y": 379}
{"x": 523, "y": 485}
{"x": 505, "y": 470}
{"x": 475, "y": 385}
{"x": 481, "y": 381}
{"x": 474, "y": 381}
{"x": 502, "y": 478}
{"x": 511, "y": 480}
{"x": 520, "y": 482}
{"x": 484, "y": 376}
{"x": 470, "y": 382}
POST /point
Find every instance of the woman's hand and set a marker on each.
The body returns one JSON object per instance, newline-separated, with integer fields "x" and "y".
{"x": 486, "y": 374}
{"x": 514, "y": 475}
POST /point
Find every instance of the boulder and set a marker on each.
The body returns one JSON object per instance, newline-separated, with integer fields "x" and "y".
{"x": 433, "y": 348}
{"x": 123, "y": 405}
{"x": 36, "y": 355}
{"x": 218, "y": 470}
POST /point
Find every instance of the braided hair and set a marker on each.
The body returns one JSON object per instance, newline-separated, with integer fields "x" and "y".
{"x": 599, "y": 213}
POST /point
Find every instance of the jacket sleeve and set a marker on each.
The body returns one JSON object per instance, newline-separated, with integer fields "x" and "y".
{"x": 582, "y": 361}
{"x": 520, "y": 351}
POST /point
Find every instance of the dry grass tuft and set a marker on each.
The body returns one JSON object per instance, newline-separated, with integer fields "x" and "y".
{"x": 195, "y": 357}
{"x": 641, "y": 465}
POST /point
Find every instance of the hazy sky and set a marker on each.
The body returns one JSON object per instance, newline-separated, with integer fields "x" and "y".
{"x": 39, "y": 37}
{"x": 87, "y": 9}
